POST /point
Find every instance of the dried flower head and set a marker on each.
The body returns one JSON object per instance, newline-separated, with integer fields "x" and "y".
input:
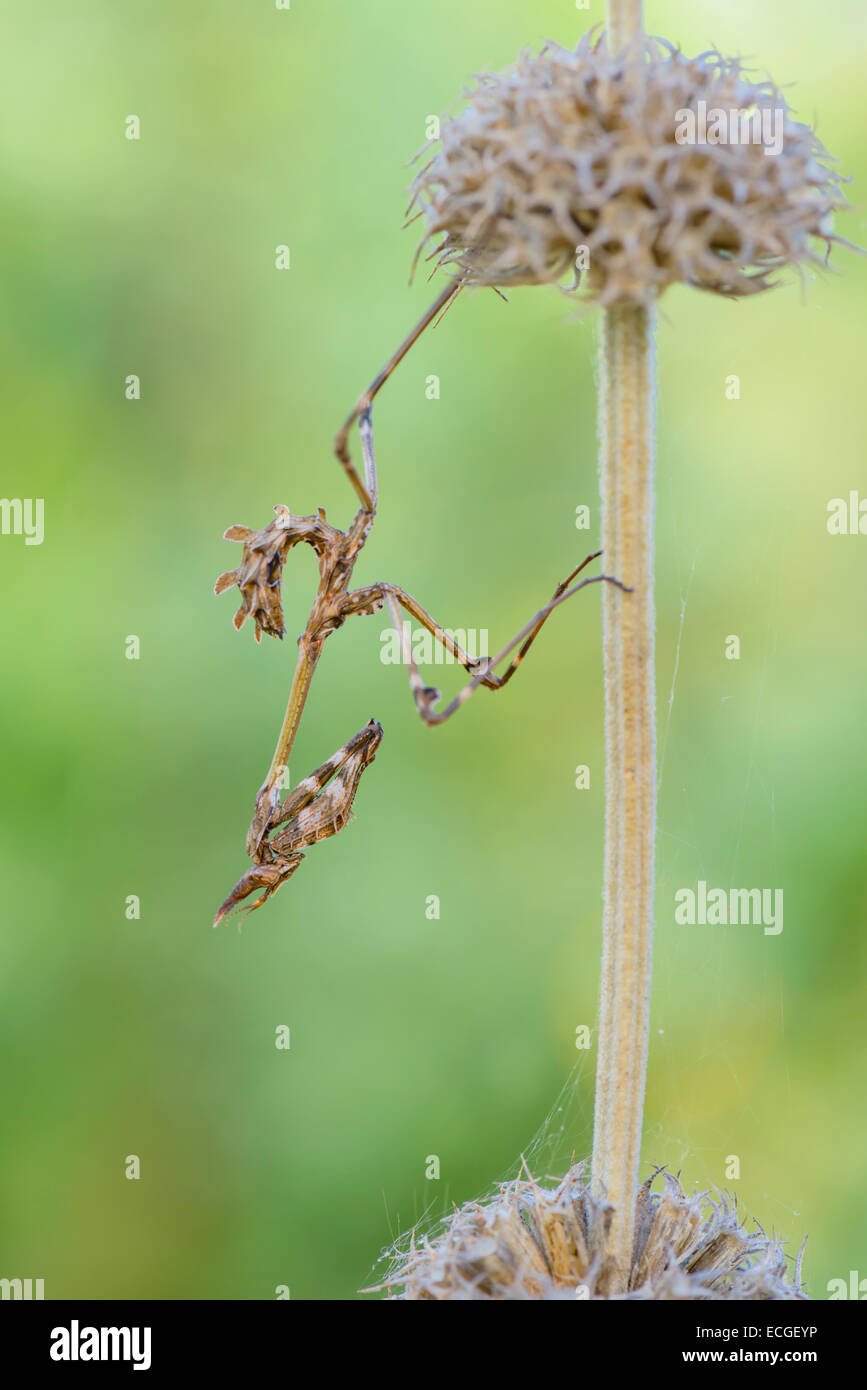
{"x": 585, "y": 161}
{"x": 533, "y": 1242}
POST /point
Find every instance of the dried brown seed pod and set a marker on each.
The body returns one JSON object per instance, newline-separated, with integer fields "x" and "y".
{"x": 536, "y": 1242}
{"x": 571, "y": 160}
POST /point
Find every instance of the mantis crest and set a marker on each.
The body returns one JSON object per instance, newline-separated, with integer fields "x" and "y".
{"x": 320, "y": 806}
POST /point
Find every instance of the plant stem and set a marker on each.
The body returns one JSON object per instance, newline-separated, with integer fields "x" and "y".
{"x": 626, "y": 455}
{"x": 624, "y": 22}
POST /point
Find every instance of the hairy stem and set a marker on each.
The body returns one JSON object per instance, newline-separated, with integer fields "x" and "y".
{"x": 624, "y": 22}
{"x": 626, "y": 433}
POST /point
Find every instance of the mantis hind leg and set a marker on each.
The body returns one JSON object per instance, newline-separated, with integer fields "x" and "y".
{"x": 482, "y": 670}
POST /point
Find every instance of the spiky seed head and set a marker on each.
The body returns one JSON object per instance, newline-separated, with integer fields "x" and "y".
{"x": 541, "y": 1242}
{"x": 571, "y": 160}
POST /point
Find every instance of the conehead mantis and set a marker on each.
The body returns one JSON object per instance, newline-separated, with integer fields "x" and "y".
{"x": 319, "y": 806}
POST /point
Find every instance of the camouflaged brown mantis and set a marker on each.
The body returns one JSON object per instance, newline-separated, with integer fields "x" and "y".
{"x": 320, "y": 805}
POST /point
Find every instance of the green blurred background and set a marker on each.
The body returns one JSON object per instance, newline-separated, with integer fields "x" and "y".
{"x": 410, "y": 1037}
